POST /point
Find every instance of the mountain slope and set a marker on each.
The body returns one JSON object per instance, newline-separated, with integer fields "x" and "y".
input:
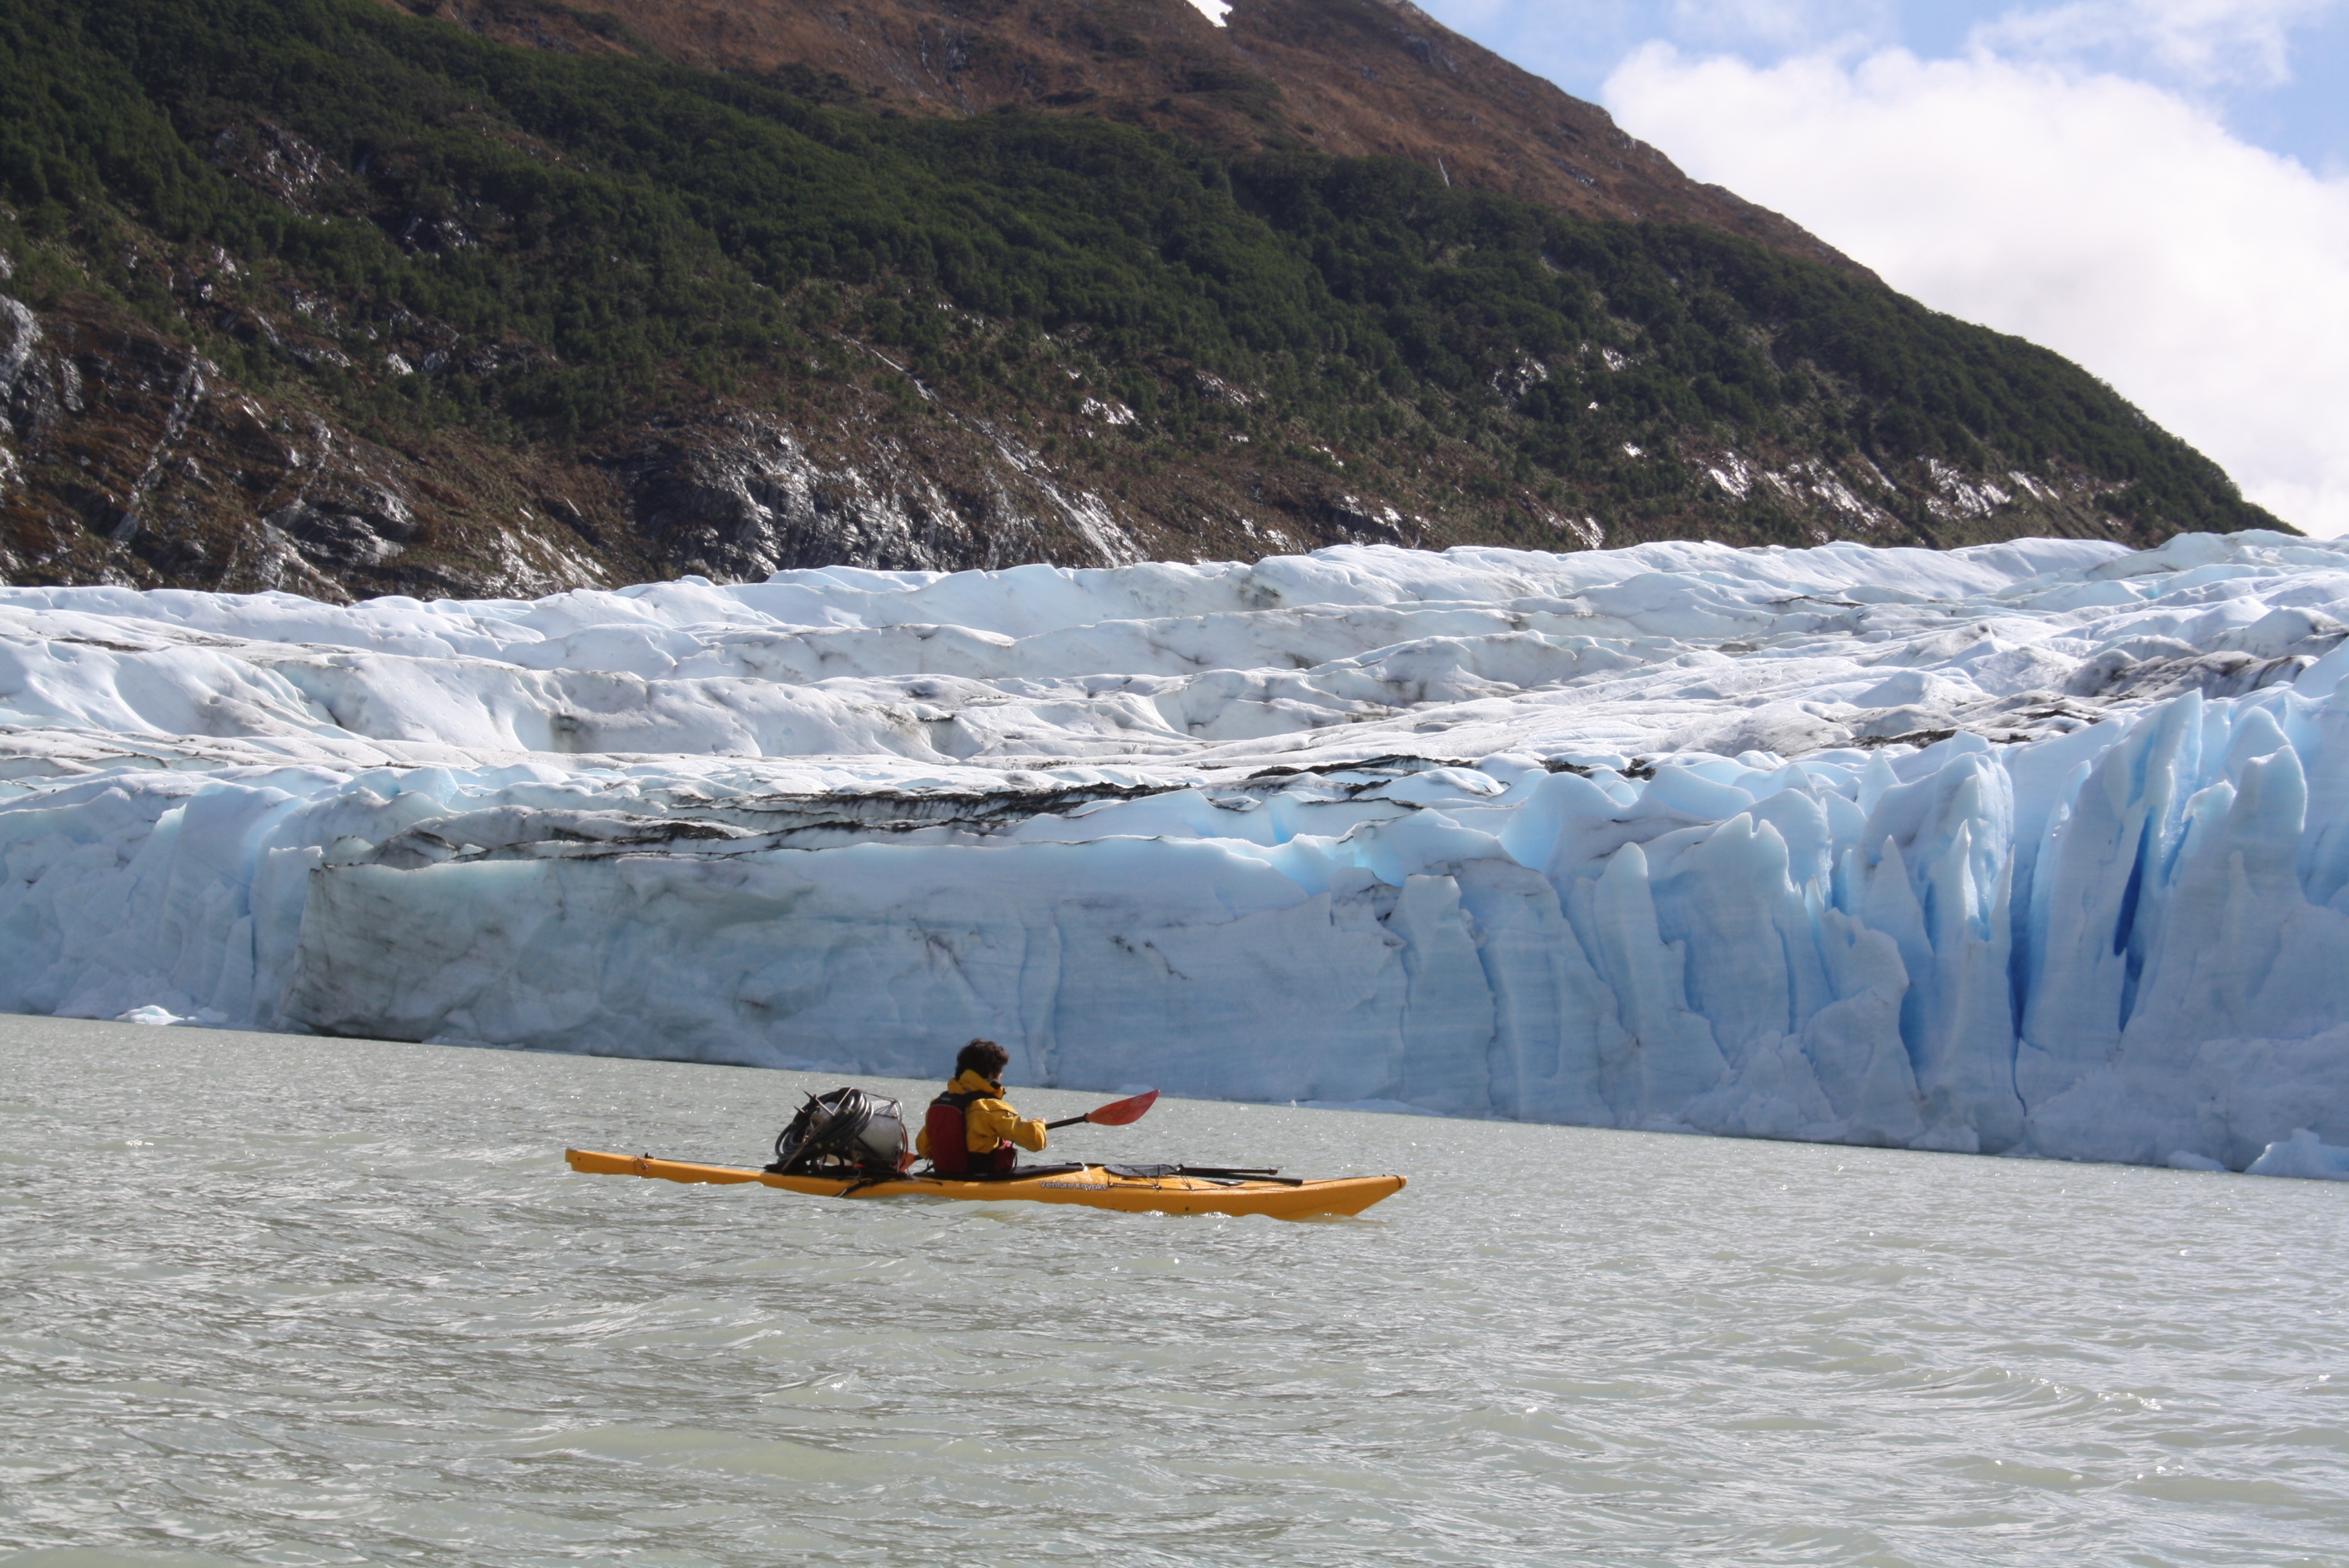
{"x": 317, "y": 294}
{"x": 1347, "y": 77}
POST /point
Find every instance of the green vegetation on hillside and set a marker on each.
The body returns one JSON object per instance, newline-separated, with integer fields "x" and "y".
{"x": 606, "y": 233}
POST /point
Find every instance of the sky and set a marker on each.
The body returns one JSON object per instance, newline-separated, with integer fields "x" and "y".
{"x": 2156, "y": 189}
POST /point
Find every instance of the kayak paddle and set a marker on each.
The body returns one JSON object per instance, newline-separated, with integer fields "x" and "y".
{"x": 1117, "y": 1113}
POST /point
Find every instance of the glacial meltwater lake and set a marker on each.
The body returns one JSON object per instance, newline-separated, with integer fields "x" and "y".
{"x": 277, "y": 1300}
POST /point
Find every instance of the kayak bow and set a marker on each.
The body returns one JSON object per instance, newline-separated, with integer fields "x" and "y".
{"x": 1095, "y": 1186}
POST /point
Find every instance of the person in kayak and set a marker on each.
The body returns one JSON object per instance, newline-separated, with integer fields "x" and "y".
{"x": 971, "y": 1131}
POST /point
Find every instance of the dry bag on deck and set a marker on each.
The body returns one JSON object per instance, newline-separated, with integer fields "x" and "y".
{"x": 847, "y": 1132}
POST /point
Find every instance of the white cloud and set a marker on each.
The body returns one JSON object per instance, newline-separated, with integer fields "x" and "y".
{"x": 2204, "y": 42}
{"x": 2116, "y": 223}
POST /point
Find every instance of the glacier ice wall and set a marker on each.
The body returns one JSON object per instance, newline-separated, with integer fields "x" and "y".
{"x": 2041, "y": 847}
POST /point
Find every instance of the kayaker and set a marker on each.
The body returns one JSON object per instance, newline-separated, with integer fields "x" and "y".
{"x": 971, "y": 1131}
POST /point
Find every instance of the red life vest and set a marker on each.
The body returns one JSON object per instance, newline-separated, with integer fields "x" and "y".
{"x": 950, "y": 1151}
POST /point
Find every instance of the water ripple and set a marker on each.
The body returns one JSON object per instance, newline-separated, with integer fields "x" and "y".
{"x": 317, "y": 1302}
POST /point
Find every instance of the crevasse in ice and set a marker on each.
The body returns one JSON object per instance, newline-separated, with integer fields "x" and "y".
{"x": 2039, "y": 847}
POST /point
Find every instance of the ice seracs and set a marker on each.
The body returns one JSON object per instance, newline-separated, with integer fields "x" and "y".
{"x": 2039, "y": 847}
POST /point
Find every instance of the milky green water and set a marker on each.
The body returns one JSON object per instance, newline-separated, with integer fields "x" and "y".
{"x": 288, "y": 1301}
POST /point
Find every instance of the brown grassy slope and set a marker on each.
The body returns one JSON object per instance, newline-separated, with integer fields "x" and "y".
{"x": 1347, "y": 78}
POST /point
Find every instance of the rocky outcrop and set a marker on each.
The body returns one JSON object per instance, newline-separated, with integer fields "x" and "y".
{"x": 741, "y": 497}
{"x": 127, "y": 457}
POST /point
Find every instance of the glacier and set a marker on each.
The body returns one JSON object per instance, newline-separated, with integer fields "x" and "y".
{"x": 2038, "y": 847}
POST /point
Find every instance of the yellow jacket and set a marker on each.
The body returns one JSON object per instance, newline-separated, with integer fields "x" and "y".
{"x": 986, "y": 1122}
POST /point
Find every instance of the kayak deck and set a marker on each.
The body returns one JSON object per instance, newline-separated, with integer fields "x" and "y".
{"x": 1095, "y": 1186}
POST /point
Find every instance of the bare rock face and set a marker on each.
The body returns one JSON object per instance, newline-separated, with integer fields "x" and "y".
{"x": 366, "y": 530}
{"x": 277, "y": 162}
{"x": 127, "y": 457}
{"x": 741, "y": 497}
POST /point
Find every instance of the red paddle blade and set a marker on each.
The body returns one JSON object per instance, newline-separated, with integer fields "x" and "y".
{"x": 1117, "y": 1113}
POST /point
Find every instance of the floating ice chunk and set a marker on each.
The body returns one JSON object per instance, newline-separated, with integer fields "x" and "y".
{"x": 2301, "y": 1154}
{"x": 150, "y": 1014}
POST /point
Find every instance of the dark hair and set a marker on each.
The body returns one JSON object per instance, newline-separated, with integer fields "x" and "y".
{"x": 984, "y": 1058}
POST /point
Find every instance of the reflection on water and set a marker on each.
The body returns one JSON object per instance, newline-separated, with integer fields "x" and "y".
{"x": 283, "y": 1301}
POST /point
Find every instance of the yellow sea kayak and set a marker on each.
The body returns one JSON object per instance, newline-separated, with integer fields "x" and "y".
{"x": 1095, "y": 1186}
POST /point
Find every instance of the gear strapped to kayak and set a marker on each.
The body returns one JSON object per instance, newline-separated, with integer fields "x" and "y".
{"x": 847, "y": 1133}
